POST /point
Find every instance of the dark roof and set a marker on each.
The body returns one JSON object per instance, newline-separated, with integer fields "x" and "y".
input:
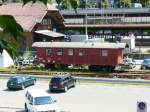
{"x": 62, "y": 77}
{"x": 28, "y": 15}
{"x": 17, "y": 76}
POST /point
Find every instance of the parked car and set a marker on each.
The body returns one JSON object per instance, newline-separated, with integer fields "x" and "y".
{"x": 62, "y": 82}
{"x": 20, "y": 82}
{"x": 19, "y": 60}
{"x": 129, "y": 62}
{"x": 145, "y": 64}
{"x": 40, "y": 101}
{"x": 30, "y": 60}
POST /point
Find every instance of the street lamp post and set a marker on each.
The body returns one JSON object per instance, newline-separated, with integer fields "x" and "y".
{"x": 86, "y": 29}
{"x": 94, "y": 11}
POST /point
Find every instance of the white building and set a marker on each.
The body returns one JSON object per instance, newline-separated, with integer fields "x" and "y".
{"x": 130, "y": 41}
{"x": 5, "y": 60}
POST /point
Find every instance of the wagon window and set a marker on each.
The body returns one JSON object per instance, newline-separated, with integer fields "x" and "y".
{"x": 104, "y": 53}
{"x": 81, "y": 52}
{"x": 70, "y": 52}
{"x": 59, "y": 51}
{"x": 48, "y": 51}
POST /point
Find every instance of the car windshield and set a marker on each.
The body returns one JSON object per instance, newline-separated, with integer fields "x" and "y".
{"x": 13, "y": 79}
{"x": 55, "y": 80}
{"x": 43, "y": 100}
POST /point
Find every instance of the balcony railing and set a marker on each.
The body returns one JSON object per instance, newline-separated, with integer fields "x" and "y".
{"x": 90, "y": 11}
{"x": 108, "y": 20}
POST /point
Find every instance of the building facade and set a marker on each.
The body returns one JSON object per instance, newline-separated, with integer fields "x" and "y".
{"x": 109, "y": 23}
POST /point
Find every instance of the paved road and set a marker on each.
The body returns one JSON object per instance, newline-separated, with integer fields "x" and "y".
{"x": 85, "y": 97}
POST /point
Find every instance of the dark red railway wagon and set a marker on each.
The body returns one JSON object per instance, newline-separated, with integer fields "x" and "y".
{"x": 95, "y": 55}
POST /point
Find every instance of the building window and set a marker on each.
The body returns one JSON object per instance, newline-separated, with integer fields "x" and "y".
{"x": 70, "y": 52}
{"x": 46, "y": 21}
{"x": 59, "y": 51}
{"x": 81, "y": 52}
{"x": 104, "y": 52}
{"x": 43, "y": 39}
{"x": 48, "y": 51}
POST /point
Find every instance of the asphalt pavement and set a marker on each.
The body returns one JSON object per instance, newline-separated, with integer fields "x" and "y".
{"x": 91, "y": 97}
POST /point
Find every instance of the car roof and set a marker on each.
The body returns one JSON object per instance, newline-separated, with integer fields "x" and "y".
{"x": 147, "y": 59}
{"x": 17, "y": 76}
{"x": 37, "y": 92}
{"x": 61, "y": 76}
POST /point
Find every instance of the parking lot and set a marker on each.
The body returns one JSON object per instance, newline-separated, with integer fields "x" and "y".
{"x": 85, "y": 97}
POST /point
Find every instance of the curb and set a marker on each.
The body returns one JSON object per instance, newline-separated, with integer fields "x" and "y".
{"x": 91, "y": 79}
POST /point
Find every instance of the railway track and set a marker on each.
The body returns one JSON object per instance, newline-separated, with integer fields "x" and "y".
{"x": 132, "y": 75}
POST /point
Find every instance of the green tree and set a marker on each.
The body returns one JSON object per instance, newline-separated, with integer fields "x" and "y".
{"x": 104, "y": 4}
{"x": 145, "y": 3}
{"x": 10, "y": 34}
{"x": 122, "y": 3}
{"x": 84, "y": 4}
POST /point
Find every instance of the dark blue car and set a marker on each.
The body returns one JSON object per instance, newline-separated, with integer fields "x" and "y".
{"x": 20, "y": 82}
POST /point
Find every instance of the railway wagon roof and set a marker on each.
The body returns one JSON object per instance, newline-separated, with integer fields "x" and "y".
{"x": 78, "y": 45}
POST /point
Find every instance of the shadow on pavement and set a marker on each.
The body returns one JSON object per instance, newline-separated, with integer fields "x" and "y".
{"x": 8, "y": 90}
{"x": 55, "y": 92}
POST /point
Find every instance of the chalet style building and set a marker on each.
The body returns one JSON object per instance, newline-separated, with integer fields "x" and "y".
{"x": 39, "y": 22}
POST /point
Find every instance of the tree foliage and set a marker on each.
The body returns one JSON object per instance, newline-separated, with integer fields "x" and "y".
{"x": 145, "y": 3}
{"x": 122, "y": 3}
{"x": 10, "y": 34}
{"x": 104, "y": 4}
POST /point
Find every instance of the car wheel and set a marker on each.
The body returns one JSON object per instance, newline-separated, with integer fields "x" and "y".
{"x": 51, "y": 90}
{"x": 74, "y": 84}
{"x": 26, "y": 108}
{"x": 22, "y": 87}
{"x": 65, "y": 89}
{"x": 142, "y": 68}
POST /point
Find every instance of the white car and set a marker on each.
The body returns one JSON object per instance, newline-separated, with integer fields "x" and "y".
{"x": 129, "y": 62}
{"x": 40, "y": 101}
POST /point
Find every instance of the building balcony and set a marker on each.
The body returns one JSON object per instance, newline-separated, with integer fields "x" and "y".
{"x": 105, "y": 21}
{"x": 97, "y": 11}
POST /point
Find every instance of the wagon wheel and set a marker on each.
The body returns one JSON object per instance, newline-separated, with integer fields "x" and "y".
{"x": 142, "y": 68}
{"x": 74, "y": 83}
